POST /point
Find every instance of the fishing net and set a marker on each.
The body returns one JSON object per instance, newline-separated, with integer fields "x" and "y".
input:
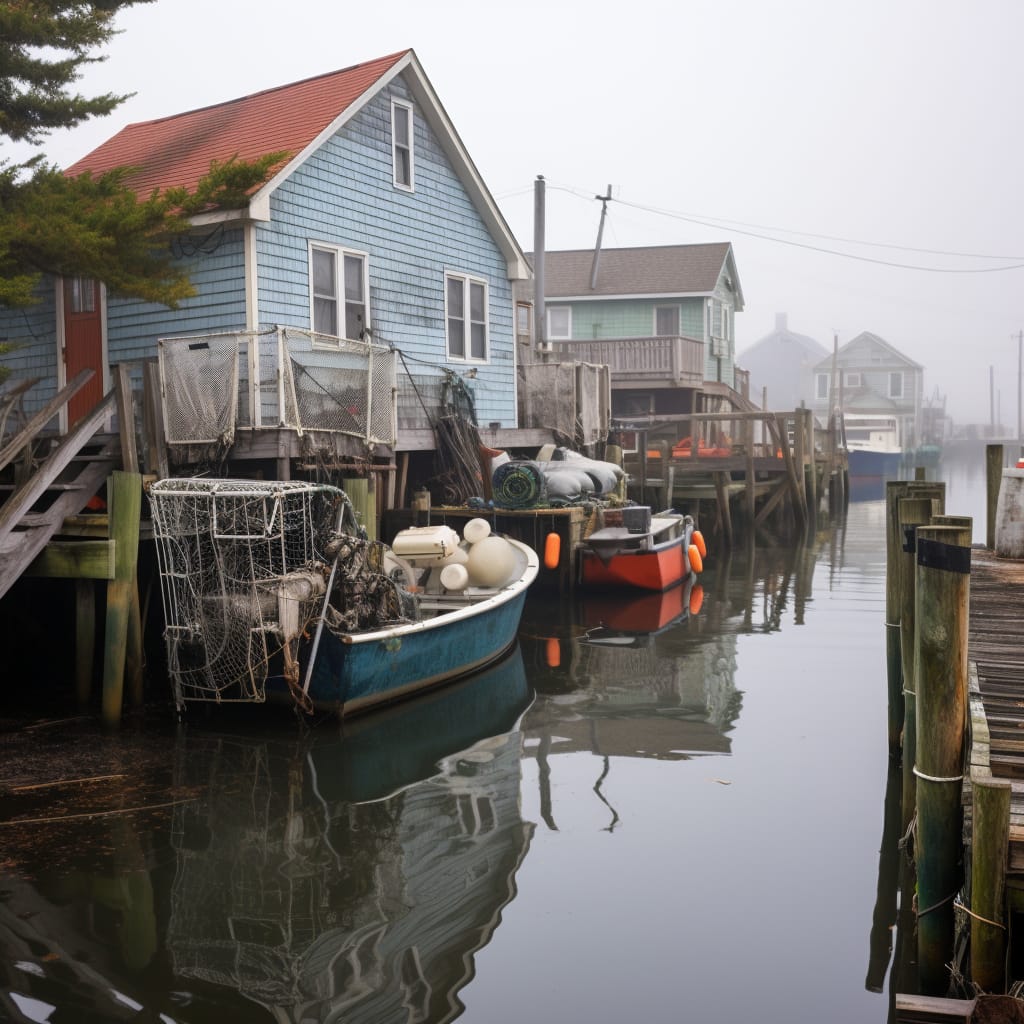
{"x": 245, "y": 567}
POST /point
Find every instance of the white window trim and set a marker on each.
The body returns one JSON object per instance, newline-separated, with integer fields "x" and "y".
{"x": 903, "y": 384}
{"x": 818, "y": 378}
{"x": 411, "y": 186}
{"x": 339, "y": 252}
{"x": 467, "y": 280}
{"x": 853, "y": 379}
{"x": 560, "y": 337}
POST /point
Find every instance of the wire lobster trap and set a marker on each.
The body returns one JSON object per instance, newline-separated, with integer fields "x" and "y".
{"x": 244, "y": 566}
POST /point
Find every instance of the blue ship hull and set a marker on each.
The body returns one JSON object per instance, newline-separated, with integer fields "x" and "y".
{"x": 873, "y": 463}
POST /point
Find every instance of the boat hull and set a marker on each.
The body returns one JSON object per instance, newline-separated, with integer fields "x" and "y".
{"x": 359, "y": 671}
{"x": 658, "y": 568}
{"x": 874, "y": 463}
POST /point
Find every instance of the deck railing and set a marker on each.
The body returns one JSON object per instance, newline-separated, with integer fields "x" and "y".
{"x": 673, "y": 360}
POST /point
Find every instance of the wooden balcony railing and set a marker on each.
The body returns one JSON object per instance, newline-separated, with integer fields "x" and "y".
{"x": 640, "y": 362}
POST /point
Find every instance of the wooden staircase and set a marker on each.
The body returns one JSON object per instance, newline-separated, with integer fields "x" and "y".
{"x": 61, "y": 484}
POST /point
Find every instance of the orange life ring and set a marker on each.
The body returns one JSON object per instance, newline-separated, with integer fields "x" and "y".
{"x": 698, "y": 539}
{"x": 696, "y": 564}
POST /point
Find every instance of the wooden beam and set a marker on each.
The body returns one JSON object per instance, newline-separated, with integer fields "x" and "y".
{"x": 125, "y": 501}
{"x": 126, "y": 418}
{"x": 75, "y": 560}
{"x": 41, "y": 418}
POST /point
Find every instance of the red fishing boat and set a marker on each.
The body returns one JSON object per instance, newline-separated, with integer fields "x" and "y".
{"x": 635, "y": 549}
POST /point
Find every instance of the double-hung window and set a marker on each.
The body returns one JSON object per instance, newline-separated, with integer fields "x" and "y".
{"x": 559, "y": 323}
{"x": 466, "y": 317}
{"x": 340, "y": 290}
{"x": 821, "y": 385}
{"x": 401, "y": 143}
{"x": 896, "y": 384}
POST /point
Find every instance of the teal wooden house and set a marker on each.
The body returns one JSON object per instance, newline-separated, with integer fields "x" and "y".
{"x": 661, "y": 317}
{"x": 371, "y": 271}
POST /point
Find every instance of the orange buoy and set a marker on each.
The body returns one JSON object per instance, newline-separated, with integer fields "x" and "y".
{"x": 696, "y": 599}
{"x": 553, "y": 654}
{"x": 552, "y": 550}
{"x": 696, "y": 564}
{"x": 698, "y": 538}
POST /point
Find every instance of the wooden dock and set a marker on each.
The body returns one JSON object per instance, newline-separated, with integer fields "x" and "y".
{"x": 996, "y": 655}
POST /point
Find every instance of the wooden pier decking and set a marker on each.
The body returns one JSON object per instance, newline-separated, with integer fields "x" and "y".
{"x": 996, "y": 656}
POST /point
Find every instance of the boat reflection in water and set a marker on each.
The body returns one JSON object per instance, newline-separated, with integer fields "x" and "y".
{"x": 353, "y": 877}
{"x": 636, "y": 679}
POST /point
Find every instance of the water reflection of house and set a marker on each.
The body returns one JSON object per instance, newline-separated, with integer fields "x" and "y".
{"x": 323, "y": 909}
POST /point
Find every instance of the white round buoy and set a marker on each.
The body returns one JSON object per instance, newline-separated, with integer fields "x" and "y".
{"x": 476, "y": 530}
{"x": 454, "y": 577}
{"x": 491, "y": 562}
{"x": 458, "y": 557}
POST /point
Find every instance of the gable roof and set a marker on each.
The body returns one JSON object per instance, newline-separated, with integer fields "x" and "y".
{"x": 297, "y": 118}
{"x": 660, "y": 270}
{"x": 783, "y": 340}
{"x": 867, "y": 337}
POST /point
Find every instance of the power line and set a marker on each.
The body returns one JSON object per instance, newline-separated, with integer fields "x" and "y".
{"x": 744, "y": 228}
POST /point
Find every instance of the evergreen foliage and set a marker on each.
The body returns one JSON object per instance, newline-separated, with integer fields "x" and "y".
{"x": 87, "y": 226}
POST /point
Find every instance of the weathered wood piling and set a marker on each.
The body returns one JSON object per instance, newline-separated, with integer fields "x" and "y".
{"x": 942, "y": 590}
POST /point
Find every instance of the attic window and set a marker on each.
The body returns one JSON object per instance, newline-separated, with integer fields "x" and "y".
{"x": 401, "y": 143}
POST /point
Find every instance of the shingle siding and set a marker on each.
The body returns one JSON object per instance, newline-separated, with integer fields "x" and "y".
{"x": 344, "y": 195}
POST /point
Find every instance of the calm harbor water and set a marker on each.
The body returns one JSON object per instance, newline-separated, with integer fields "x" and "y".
{"x": 666, "y": 810}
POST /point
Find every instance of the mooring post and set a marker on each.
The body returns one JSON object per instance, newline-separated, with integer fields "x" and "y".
{"x": 993, "y": 481}
{"x": 942, "y": 594}
{"x": 85, "y": 640}
{"x": 894, "y": 491}
{"x": 913, "y": 512}
{"x": 124, "y": 498}
{"x": 990, "y": 840}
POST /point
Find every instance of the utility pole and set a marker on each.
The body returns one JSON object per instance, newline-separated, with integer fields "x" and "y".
{"x": 605, "y": 199}
{"x": 539, "y": 314}
{"x": 1020, "y": 369}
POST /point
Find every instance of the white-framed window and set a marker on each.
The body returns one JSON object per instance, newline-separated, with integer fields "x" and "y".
{"x": 559, "y": 323}
{"x": 821, "y": 383}
{"x": 401, "y": 143}
{"x": 339, "y": 290}
{"x": 524, "y": 322}
{"x": 852, "y": 378}
{"x": 666, "y": 321}
{"x": 466, "y": 317}
{"x": 896, "y": 384}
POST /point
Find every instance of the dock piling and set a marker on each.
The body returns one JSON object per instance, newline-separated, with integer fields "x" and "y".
{"x": 941, "y": 630}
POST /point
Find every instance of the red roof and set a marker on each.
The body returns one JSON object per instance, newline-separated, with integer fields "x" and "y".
{"x": 178, "y": 150}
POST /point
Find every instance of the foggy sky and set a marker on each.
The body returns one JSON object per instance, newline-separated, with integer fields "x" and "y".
{"x": 824, "y": 124}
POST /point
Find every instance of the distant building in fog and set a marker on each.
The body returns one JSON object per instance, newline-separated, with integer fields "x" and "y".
{"x": 783, "y": 362}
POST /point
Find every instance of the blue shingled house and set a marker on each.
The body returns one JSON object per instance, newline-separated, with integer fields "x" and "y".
{"x": 371, "y": 269}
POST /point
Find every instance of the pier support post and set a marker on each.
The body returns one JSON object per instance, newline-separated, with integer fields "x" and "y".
{"x": 990, "y": 840}
{"x": 942, "y": 591}
{"x": 913, "y": 512}
{"x": 894, "y": 491}
{"x": 85, "y": 640}
{"x": 124, "y": 498}
{"x": 993, "y": 481}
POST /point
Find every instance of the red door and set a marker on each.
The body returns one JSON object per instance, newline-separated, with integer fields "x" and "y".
{"x": 83, "y": 342}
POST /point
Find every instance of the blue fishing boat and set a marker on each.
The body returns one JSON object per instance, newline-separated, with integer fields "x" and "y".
{"x": 273, "y": 591}
{"x": 873, "y": 445}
